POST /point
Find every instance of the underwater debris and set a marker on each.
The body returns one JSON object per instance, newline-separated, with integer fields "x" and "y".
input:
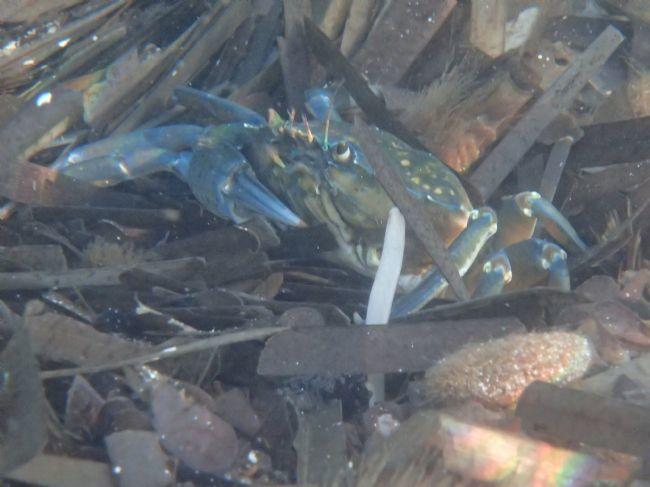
{"x": 497, "y": 372}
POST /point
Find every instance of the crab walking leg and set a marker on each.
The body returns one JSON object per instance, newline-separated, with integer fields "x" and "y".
{"x": 532, "y": 262}
{"x": 558, "y": 270}
{"x": 556, "y": 224}
{"x": 481, "y": 226}
{"x": 496, "y": 273}
{"x": 114, "y": 160}
{"x": 519, "y": 215}
{"x": 384, "y": 286}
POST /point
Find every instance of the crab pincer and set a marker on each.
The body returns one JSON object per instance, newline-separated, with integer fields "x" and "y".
{"x": 216, "y": 172}
{"x": 224, "y": 183}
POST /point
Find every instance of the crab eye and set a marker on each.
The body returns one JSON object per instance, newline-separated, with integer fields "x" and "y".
{"x": 341, "y": 152}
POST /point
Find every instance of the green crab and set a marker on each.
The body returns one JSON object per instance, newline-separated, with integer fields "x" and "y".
{"x": 299, "y": 173}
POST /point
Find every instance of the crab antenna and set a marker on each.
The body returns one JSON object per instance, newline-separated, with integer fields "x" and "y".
{"x": 327, "y": 127}
{"x": 275, "y": 120}
{"x": 310, "y": 135}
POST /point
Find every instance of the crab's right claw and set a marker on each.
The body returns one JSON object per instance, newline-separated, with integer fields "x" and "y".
{"x": 224, "y": 183}
{"x": 463, "y": 251}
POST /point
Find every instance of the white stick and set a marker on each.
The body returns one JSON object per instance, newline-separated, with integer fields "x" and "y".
{"x": 384, "y": 286}
{"x": 390, "y": 267}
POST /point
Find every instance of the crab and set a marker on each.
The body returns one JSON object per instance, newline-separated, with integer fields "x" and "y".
{"x": 314, "y": 172}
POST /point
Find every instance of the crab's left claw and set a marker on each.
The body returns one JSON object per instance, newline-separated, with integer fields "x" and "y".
{"x": 482, "y": 224}
{"x": 519, "y": 215}
{"x": 248, "y": 192}
{"x": 224, "y": 183}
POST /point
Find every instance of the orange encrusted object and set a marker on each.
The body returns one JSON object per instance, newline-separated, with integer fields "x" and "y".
{"x": 496, "y": 372}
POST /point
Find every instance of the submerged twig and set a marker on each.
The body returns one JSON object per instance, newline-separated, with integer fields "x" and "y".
{"x": 585, "y": 418}
{"x": 332, "y": 59}
{"x": 507, "y": 154}
{"x": 294, "y": 53}
{"x": 374, "y": 349}
{"x": 601, "y": 251}
{"x": 554, "y": 167}
{"x": 170, "y": 352}
{"x": 92, "y": 276}
{"x": 200, "y": 41}
{"x": 407, "y": 31}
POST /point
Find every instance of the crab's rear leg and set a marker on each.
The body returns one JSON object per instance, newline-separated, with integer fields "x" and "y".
{"x": 482, "y": 224}
{"x": 495, "y": 274}
{"x": 523, "y": 265}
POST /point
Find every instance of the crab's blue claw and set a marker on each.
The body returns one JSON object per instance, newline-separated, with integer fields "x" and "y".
{"x": 224, "y": 183}
{"x": 120, "y": 158}
{"x": 496, "y": 273}
{"x": 519, "y": 215}
{"x": 221, "y": 109}
{"x": 248, "y": 192}
{"x": 481, "y": 226}
{"x": 537, "y": 261}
